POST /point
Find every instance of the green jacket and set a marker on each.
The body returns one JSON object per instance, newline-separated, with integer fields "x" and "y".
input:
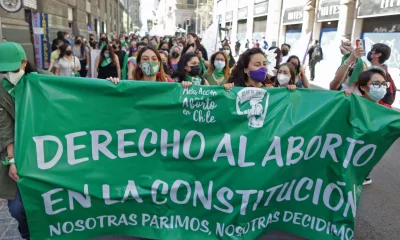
{"x": 8, "y": 187}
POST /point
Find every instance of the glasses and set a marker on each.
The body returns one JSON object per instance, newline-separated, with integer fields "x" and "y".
{"x": 378, "y": 84}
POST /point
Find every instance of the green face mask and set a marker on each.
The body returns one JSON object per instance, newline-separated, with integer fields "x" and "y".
{"x": 150, "y": 68}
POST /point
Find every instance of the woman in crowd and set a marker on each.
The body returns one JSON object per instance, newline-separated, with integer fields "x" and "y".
{"x": 188, "y": 72}
{"x": 193, "y": 41}
{"x": 286, "y": 76}
{"x": 107, "y": 64}
{"x": 172, "y": 42}
{"x": 83, "y": 54}
{"x": 227, "y": 50}
{"x": 181, "y": 44}
{"x": 67, "y": 64}
{"x": 250, "y": 70}
{"x": 55, "y": 55}
{"x": 148, "y": 67}
{"x": 146, "y": 40}
{"x": 218, "y": 70}
{"x": 164, "y": 60}
{"x": 301, "y": 78}
{"x": 175, "y": 57}
{"x": 103, "y": 41}
{"x": 131, "y": 61}
{"x": 372, "y": 85}
{"x": 119, "y": 51}
{"x": 164, "y": 46}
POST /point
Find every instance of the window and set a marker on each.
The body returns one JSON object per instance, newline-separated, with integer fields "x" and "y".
{"x": 190, "y": 2}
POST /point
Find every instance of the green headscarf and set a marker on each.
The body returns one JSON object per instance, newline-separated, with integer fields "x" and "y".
{"x": 106, "y": 61}
{"x": 195, "y": 80}
{"x": 358, "y": 68}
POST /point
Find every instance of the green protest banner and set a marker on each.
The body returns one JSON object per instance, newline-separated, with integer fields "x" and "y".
{"x": 154, "y": 160}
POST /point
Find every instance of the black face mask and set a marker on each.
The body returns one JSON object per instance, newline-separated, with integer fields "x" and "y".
{"x": 369, "y": 56}
{"x": 164, "y": 49}
{"x": 175, "y": 54}
{"x": 165, "y": 66}
{"x": 78, "y": 41}
{"x": 194, "y": 70}
{"x": 103, "y": 39}
{"x": 114, "y": 46}
{"x": 91, "y": 39}
{"x": 68, "y": 52}
{"x": 285, "y": 52}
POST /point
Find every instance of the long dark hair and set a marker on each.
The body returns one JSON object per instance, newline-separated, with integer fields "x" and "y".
{"x": 292, "y": 74}
{"x": 238, "y": 76}
{"x": 112, "y": 54}
{"x": 180, "y": 71}
{"x": 137, "y": 72}
{"x": 162, "y": 43}
{"x": 231, "y": 58}
{"x": 82, "y": 46}
{"x": 197, "y": 41}
{"x": 63, "y": 49}
{"x": 297, "y": 68}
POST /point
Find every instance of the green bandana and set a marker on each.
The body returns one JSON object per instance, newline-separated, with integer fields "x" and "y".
{"x": 106, "y": 61}
{"x": 219, "y": 74}
{"x": 358, "y": 68}
{"x": 102, "y": 45}
{"x": 195, "y": 80}
{"x": 150, "y": 68}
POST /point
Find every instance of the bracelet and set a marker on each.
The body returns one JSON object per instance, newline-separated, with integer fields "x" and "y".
{"x": 7, "y": 161}
{"x": 346, "y": 64}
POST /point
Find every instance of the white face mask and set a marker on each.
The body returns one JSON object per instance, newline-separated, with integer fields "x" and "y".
{"x": 14, "y": 77}
{"x": 227, "y": 52}
{"x": 283, "y": 79}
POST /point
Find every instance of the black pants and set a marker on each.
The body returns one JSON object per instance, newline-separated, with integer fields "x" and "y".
{"x": 83, "y": 71}
{"x": 312, "y": 64}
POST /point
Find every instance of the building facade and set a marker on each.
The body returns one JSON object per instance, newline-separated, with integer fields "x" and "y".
{"x": 329, "y": 21}
{"x": 40, "y": 20}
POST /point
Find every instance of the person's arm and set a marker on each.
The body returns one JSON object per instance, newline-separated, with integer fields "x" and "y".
{"x": 57, "y": 66}
{"x": 306, "y": 83}
{"x": 77, "y": 64}
{"x": 96, "y": 67}
{"x": 51, "y": 66}
{"x": 341, "y": 73}
{"x": 206, "y": 83}
{"x": 87, "y": 58}
{"x": 118, "y": 67}
{"x": 131, "y": 67}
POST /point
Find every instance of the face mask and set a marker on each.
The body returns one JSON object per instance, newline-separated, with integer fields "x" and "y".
{"x": 78, "y": 41}
{"x": 103, "y": 39}
{"x": 227, "y": 52}
{"x": 376, "y": 94}
{"x": 219, "y": 65}
{"x": 194, "y": 70}
{"x": 114, "y": 46}
{"x": 259, "y": 75}
{"x": 107, "y": 55}
{"x": 164, "y": 49}
{"x": 369, "y": 56}
{"x": 283, "y": 79}
{"x": 150, "y": 68}
{"x": 133, "y": 49}
{"x": 68, "y": 52}
{"x": 285, "y": 52}
{"x": 166, "y": 40}
{"x": 175, "y": 54}
{"x": 91, "y": 39}
{"x": 14, "y": 77}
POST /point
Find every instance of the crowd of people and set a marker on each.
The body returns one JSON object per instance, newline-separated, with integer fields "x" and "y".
{"x": 184, "y": 61}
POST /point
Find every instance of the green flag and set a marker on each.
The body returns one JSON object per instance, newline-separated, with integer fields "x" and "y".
{"x": 154, "y": 160}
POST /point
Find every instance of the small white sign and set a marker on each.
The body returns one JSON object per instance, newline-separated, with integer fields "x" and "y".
{"x": 38, "y": 31}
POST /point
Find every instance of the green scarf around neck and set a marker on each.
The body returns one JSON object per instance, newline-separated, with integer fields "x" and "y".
{"x": 219, "y": 74}
{"x": 106, "y": 61}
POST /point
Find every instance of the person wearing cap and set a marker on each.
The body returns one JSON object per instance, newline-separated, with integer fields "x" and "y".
{"x": 12, "y": 65}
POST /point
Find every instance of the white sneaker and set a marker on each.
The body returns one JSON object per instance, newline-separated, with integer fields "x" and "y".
{"x": 367, "y": 181}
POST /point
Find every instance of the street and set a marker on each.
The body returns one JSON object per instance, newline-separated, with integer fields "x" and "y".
{"x": 378, "y": 213}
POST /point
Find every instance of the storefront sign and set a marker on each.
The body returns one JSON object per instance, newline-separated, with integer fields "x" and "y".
{"x": 242, "y": 13}
{"x": 387, "y": 24}
{"x": 41, "y": 39}
{"x": 328, "y": 10}
{"x": 293, "y": 15}
{"x": 376, "y": 8}
{"x": 229, "y": 16}
{"x": 261, "y": 8}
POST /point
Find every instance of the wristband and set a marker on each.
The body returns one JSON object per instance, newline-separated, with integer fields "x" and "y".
{"x": 7, "y": 161}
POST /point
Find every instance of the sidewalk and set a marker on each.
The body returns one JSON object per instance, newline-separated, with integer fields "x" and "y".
{"x": 8, "y": 225}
